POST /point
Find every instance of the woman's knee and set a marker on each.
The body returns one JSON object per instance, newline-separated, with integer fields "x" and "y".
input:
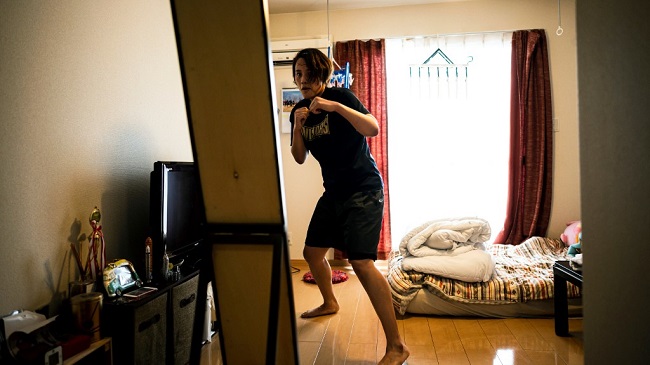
{"x": 361, "y": 266}
{"x": 313, "y": 254}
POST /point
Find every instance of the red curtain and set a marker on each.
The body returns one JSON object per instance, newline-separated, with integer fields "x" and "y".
{"x": 531, "y": 140}
{"x": 368, "y": 67}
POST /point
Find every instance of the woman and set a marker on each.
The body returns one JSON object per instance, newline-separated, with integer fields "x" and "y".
{"x": 332, "y": 125}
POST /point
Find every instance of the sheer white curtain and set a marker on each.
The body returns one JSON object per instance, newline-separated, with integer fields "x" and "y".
{"x": 448, "y": 129}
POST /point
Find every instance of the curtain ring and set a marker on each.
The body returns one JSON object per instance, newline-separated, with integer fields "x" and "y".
{"x": 559, "y": 30}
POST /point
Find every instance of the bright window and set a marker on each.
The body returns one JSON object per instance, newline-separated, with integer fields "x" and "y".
{"x": 448, "y": 129}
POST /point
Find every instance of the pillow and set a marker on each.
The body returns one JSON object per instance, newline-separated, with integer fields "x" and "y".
{"x": 570, "y": 235}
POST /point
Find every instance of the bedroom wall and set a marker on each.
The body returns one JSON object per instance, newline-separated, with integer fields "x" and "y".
{"x": 91, "y": 96}
{"x": 303, "y": 183}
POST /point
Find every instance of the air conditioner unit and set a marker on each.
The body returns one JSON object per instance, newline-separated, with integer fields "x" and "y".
{"x": 284, "y": 51}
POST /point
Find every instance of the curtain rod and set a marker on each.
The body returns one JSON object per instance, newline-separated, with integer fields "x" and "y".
{"x": 436, "y": 35}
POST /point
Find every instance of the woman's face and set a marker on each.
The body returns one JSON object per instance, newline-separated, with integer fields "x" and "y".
{"x": 309, "y": 90}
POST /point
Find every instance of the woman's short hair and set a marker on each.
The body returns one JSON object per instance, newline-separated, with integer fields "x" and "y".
{"x": 320, "y": 67}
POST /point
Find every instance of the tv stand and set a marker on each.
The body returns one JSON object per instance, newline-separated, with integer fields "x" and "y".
{"x": 154, "y": 329}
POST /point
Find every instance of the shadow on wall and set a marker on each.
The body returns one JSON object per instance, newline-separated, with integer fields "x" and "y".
{"x": 124, "y": 176}
{"x": 57, "y": 287}
{"x": 124, "y": 222}
{"x": 58, "y": 295}
{"x": 125, "y": 202}
{"x": 126, "y": 209}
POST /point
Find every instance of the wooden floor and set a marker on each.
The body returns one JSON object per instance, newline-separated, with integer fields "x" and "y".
{"x": 354, "y": 335}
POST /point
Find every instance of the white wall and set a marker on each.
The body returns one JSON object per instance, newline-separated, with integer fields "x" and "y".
{"x": 303, "y": 185}
{"x": 91, "y": 96}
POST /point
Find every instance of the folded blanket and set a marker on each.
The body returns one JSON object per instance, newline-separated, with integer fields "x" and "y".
{"x": 472, "y": 266}
{"x": 451, "y": 248}
{"x": 445, "y": 237}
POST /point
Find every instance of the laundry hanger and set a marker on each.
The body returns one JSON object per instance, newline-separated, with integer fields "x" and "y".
{"x": 442, "y": 54}
{"x": 447, "y": 65}
{"x": 341, "y": 77}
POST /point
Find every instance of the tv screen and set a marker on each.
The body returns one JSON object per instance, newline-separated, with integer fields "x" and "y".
{"x": 176, "y": 211}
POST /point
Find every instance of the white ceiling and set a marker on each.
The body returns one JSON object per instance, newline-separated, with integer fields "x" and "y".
{"x": 299, "y": 6}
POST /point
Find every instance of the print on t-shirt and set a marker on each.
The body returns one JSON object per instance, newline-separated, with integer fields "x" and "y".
{"x": 320, "y": 129}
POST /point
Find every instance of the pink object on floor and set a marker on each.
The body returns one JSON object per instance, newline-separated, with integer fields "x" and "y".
{"x": 338, "y": 276}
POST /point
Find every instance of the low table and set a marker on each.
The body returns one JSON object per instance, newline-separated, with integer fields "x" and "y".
{"x": 562, "y": 272}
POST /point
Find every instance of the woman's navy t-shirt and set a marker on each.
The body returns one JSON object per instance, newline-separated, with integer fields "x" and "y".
{"x": 342, "y": 152}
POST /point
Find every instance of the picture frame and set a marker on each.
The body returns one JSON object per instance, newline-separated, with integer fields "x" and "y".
{"x": 290, "y": 97}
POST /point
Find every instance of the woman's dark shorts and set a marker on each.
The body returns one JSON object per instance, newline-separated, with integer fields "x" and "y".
{"x": 351, "y": 225}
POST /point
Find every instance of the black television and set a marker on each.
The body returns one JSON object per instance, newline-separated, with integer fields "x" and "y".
{"x": 176, "y": 215}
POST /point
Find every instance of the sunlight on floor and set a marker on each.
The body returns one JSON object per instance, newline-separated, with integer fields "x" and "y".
{"x": 505, "y": 357}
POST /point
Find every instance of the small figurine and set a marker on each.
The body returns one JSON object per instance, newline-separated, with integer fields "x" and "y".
{"x": 96, "y": 257}
{"x": 96, "y": 261}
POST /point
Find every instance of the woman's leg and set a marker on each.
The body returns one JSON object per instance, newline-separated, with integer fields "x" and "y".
{"x": 322, "y": 272}
{"x": 378, "y": 291}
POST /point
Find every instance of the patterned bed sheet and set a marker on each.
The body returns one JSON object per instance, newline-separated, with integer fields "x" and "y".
{"x": 522, "y": 273}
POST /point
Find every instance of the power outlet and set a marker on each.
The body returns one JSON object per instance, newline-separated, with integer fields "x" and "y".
{"x": 289, "y": 238}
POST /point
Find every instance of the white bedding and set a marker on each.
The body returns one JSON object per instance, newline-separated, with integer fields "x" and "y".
{"x": 451, "y": 248}
{"x": 471, "y": 266}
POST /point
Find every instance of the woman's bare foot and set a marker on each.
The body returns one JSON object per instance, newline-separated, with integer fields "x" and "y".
{"x": 395, "y": 356}
{"x": 322, "y": 310}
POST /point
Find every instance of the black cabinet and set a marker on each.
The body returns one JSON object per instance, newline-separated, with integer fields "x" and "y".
{"x": 154, "y": 329}
{"x": 183, "y": 310}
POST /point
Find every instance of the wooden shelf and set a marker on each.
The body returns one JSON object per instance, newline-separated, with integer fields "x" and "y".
{"x": 104, "y": 343}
